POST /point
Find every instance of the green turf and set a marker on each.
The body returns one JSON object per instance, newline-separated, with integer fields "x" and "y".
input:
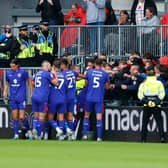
{"x": 54, "y": 154}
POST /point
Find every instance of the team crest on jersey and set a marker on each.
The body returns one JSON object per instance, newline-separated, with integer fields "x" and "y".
{"x": 15, "y": 81}
{"x": 19, "y": 75}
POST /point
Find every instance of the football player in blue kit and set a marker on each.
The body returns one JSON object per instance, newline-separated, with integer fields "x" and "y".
{"x": 70, "y": 77}
{"x": 42, "y": 82}
{"x": 16, "y": 79}
{"x": 57, "y": 100}
{"x": 97, "y": 81}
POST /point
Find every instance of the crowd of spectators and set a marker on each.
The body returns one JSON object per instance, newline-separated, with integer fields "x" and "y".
{"x": 41, "y": 41}
{"x": 126, "y": 76}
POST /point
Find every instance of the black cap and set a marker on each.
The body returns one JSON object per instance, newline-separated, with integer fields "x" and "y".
{"x": 36, "y": 27}
{"x": 23, "y": 28}
{"x": 44, "y": 23}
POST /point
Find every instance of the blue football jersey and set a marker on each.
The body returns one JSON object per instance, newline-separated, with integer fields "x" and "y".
{"x": 58, "y": 93}
{"x": 96, "y": 85}
{"x": 70, "y": 77}
{"x": 42, "y": 80}
{"x": 17, "y": 81}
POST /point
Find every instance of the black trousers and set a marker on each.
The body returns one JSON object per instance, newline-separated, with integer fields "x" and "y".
{"x": 147, "y": 112}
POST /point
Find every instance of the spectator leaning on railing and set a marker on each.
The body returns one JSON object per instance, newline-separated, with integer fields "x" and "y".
{"x": 150, "y": 37}
{"x": 150, "y": 20}
{"x": 75, "y": 17}
{"x": 139, "y": 8}
{"x": 138, "y": 12}
{"x": 95, "y": 16}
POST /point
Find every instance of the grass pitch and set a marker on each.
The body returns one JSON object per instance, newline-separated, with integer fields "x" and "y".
{"x": 55, "y": 154}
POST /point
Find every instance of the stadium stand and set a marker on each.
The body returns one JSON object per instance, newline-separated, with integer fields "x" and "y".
{"x": 124, "y": 57}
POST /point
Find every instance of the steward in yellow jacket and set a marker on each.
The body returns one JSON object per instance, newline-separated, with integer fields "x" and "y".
{"x": 151, "y": 93}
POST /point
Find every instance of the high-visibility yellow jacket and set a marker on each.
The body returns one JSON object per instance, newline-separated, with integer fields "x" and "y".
{"x": 29, "y": 50}
{"x": 151, "y": 87}
{"x": 45, "y": 45}
{"x": 80, "y": 85}
{"x": 4, "y": 55}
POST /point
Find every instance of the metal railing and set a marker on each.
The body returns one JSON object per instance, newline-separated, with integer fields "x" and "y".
{"x": 116, "y": 42}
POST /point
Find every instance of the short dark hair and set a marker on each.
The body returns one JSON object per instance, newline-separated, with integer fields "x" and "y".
{"x": 161, "y": 68}
{"x": 66, "y": 54}
{"x": 125, "y": 12}
{"x": 14, "y": 61}
{"x": 136, "y": 52}
{"x": 98, "y": 62}
{"x": 137, "y": 61}
{"x": 91, "y": 60}
{"x": 151, "y": 9}
{"x": 64, "y": 61}
{"x": 57, "y": 63}
{"x": 150, "y": 70}
{"x": 148, "y": 56}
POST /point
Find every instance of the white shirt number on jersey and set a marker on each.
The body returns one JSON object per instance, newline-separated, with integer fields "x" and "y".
{"x": 96, "y": 82}
{"x": 70, "y": 85}
{"x": 61, "y": 82}
{"x": 38, "y": 81}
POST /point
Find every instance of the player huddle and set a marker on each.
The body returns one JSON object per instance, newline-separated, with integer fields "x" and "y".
{"x": 53, "y": 91}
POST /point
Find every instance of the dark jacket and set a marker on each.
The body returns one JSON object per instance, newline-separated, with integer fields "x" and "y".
{"x": 50, "y": 12}
{"x": 110, "y": 15}
{"x": 11, "y": 45}
{"x": 148, "y": 3}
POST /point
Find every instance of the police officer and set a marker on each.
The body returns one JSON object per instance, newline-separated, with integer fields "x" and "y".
{"x": 151, "y": 93}
{"x": 47, "y": 42}
{"x": 9, "y": 46}
{"x": 27, "y": 45}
